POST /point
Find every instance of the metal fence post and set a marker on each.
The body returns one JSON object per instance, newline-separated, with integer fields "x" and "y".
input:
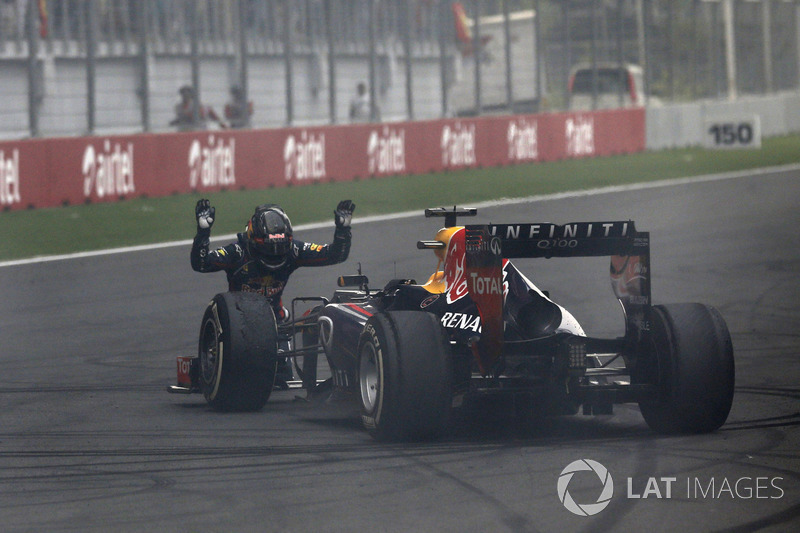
{"x": 593, "y": 52}
{"x": 476, "y": 55}
{"x": 144, "y": 65}
{"x": 195, "y": 60}
{"x": 670, "y": 55}
{"x": 567, "y": 43}
{"x": 620, "y": 53}
{"x": 288, "y": 60}
{"x": 34, "y": 90}
{"x": 766, "y": 19}
{"x": 91, "y": 64}
{"x": 243, "y": 73}
{"x": 407, "y": 48}
{"x": 507, "y": 37}
{"x": 440, "y": 24}
{"x": 695, "y": 45}
{"x": 730, "y": 47}
{"x": 331, "y": 61}
{"x": 713, "y": 53}
{"x": 797, "y": 41}
{"x": 373, "y": 105}
{"x": 644, "y": 17}
{"x": 539, "y": 55}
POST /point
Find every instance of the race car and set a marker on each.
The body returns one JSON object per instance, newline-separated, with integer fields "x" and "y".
{"x": 415, "y": 352}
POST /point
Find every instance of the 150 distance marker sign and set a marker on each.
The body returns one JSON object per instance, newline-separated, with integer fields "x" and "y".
{"x": 733, "y": 132}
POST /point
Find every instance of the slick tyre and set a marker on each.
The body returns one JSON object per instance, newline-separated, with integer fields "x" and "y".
{"x": 405, "y": 376}
{"x": 238, "y": 352}
{"x": 691, "y": 360}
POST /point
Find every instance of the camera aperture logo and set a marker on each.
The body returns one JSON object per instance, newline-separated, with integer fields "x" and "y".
{"x": 585, "y": 509}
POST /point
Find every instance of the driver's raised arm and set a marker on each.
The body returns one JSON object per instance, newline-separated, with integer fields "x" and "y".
{"x": 310, "y": 254}
{"x": 201, "y": 258}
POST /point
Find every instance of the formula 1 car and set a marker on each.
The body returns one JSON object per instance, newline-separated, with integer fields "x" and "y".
{"x": 415, "y": 352}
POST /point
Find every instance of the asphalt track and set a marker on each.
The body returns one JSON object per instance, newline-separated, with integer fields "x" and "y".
{"x": 90, "y": 441}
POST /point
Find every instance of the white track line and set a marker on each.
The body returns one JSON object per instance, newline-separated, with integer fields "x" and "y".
{"x": 408, "y": 214}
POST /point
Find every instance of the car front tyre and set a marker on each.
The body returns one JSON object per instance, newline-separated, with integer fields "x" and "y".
{"x": 405, "y": 376}
{"x": 238, "y": 352}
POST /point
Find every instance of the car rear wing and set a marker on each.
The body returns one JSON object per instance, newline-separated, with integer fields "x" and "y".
{"x": 543, "y": 239}
{"x": 628, "y": 249}
{"x": 575, "y": 239}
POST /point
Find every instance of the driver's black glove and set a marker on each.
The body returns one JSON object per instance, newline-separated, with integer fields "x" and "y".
{"x": 204, "y": 214}
{"x": 344, "y": 213}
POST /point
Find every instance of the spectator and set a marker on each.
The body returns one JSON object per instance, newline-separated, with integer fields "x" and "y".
{"x": 238, "y": 110}
{"x": 360, "y": 104}
{"x": 190, "y": 114}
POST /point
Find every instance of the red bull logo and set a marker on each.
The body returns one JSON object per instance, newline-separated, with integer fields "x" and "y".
{"x": 454, "y": 269}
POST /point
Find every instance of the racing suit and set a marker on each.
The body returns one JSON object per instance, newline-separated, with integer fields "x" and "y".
{"x": 247, "y": 274}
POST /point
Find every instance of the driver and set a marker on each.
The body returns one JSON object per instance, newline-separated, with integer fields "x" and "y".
{"x": 266, "y": 253}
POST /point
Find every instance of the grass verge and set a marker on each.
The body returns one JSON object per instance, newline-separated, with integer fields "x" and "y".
{"x": 138, "y": 221}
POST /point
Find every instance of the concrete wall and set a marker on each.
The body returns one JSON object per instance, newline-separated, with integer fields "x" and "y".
{"x": 682, "y": 125}
{"x": 14, "y": 98}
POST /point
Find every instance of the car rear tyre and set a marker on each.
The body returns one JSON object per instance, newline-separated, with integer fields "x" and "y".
{"x": 238, "y": 352}
{"x": 695, "y": 375}
{"x": 405, "y": 376}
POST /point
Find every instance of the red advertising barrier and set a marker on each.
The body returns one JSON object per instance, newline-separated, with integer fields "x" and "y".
{"x": 63, "y": 171}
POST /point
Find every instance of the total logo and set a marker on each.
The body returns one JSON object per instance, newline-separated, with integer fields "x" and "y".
{"x": 486, "y": 284}
{"x": 658, "y": 488}
{"x": 184, "y": 366}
